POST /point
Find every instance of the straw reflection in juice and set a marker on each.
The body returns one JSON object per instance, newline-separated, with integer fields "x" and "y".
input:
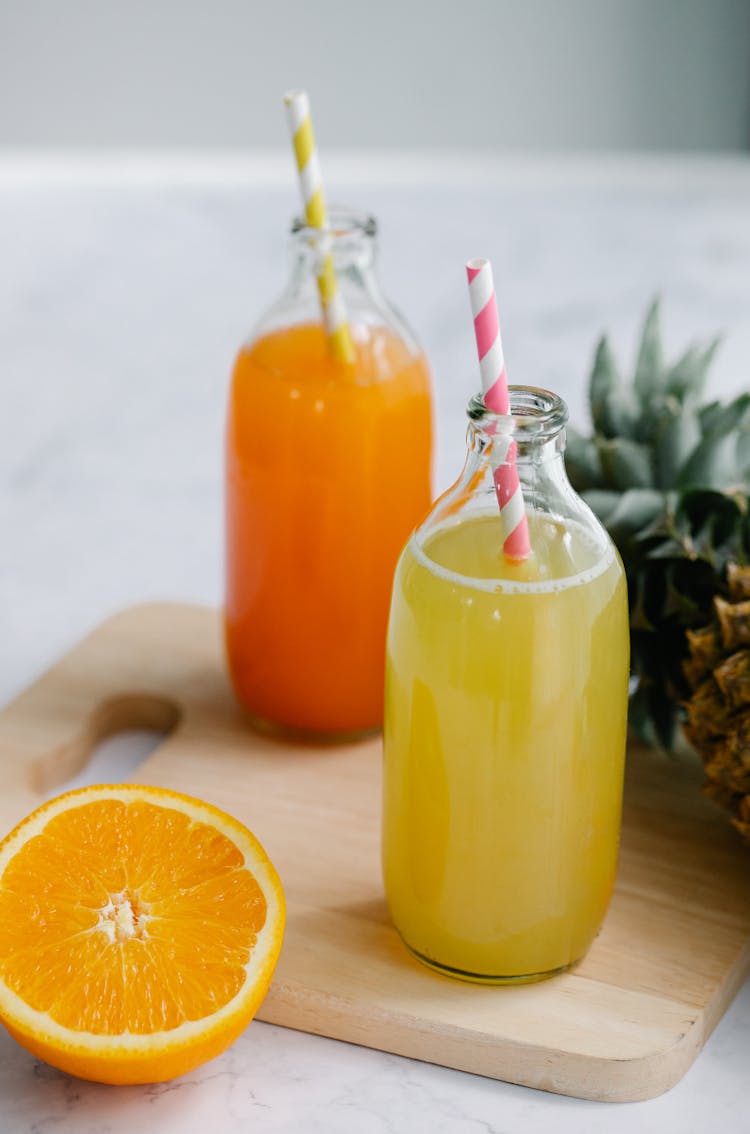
{"x": 328, "y": 469}
{"x": 504, "y": 747}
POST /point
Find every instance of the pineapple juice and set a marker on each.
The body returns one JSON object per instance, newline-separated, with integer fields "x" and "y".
{"x": 504, "y": 746}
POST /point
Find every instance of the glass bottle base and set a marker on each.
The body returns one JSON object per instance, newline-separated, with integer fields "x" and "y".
{"x": 323, "y": 738}
{"x": 490, "y": 979}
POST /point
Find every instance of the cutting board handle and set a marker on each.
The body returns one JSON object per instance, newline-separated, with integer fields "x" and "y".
{"x": 114, "y": 680}
{"x": 117, "y": 714}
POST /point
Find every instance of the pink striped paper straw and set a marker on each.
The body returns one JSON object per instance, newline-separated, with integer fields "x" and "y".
{"x": 516, "y": 544}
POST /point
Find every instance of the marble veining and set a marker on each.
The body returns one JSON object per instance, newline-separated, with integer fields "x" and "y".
{"x": 121, "y": 306}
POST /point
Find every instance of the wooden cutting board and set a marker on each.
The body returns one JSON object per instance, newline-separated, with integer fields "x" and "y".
{"x": 625, "y": 1024}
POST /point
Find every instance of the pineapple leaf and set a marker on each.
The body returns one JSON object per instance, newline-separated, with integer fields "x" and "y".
{"x": 716, "y": 418}
{"x": 639, "y": 619}
{"x": 743, "y": 456}
{"x": 677, "y": 433}
{"x": 652, "y": 717}
{"x": 625, "y": 463}
{"x": 686, "y": 379}
{"x": 662, "y": 525}
{"x": 667, "y": 549}
{"x": 709, "y": 415}
{"x": 613, "y": 408}
{"x": 653, "y": 593}
{"x": 710, "y": 523}
{"x": 635, "y": 509}
{"x": 639, "y": 719}
{"x": 698, "y": 506}
{"x": 601, "y": 501}
{"x": 649, "y": 377}
{"x": 677, "y": 602}
{"x": 582, "y": 461}
{"x": 604, "y": 377}
{"x": 712, "y": 464}
{"x": 663, "y": 716}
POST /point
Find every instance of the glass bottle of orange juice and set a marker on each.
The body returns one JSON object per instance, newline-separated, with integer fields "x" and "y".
{"x": 505, "y": 720}
{"x": 328, "y": 468}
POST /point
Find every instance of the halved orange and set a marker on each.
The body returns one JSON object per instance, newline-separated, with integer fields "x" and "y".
{"x": 139, "y": 929}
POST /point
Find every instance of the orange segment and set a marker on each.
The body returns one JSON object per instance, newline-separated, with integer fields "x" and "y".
{"x": 139, "y": 930}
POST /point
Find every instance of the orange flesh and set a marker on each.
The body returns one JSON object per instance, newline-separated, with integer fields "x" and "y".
{"x": 328, "y": 470}
{"x": 127, "y": 917}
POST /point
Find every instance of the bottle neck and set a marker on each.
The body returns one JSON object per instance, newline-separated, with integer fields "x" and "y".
{"x": 515, "y": 472}
{"x": 532, "y": 434}
{"x": 351, "y": 239}
{"x": 531, "y": 438}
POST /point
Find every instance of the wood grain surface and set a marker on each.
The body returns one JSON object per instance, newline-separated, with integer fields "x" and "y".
{"x": 625, "y": 1024}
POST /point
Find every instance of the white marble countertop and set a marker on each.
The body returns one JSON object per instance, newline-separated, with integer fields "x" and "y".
{"x": 126, "y": 285}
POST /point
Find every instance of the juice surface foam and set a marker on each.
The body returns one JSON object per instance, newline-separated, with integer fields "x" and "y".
{"x": 468, "y": 553}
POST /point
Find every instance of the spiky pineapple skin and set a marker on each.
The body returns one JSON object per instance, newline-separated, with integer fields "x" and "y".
{"x": 718, "y": 711}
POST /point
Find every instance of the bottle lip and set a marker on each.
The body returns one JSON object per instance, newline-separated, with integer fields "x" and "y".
{"x": 535, "y": 414}
{"x": 344, "y": 224}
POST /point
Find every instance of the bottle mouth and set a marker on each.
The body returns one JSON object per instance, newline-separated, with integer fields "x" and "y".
{"x": 344, "y": 224}
{"x": 535, "y": 415}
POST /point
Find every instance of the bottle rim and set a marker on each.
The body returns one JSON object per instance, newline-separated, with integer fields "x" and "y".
{"x": 535, "y": 415}
{"x": 344, "y": 224}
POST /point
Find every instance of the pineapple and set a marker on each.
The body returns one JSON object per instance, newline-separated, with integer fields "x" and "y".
{"x": 669, "y": 477}
{"x": 718, "y": 673}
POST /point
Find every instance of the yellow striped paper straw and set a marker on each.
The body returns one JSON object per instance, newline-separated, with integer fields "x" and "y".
{"x": 334, "y": 312}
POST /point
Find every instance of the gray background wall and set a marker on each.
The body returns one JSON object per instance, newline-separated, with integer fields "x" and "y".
{"x": 539, "y": 74}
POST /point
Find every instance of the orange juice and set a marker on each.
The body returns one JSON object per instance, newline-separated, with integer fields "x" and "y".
{"x": 328, "y": 470}
{"x": 506, "y": 707}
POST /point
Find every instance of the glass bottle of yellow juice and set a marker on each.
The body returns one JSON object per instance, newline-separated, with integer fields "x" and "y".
{"x": 505, "y": 718}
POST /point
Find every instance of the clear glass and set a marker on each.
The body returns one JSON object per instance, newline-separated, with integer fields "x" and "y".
{"x": 328, "y": 469}
{"x": 505, "y": 719}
